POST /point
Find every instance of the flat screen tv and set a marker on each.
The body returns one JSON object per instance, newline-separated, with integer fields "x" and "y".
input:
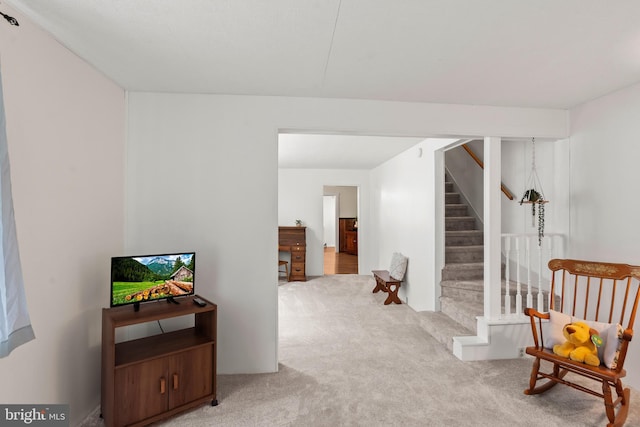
{"x": 143, "y": 278}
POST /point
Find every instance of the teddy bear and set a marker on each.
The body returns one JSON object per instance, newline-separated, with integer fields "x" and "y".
{"x": 580, "y": 345}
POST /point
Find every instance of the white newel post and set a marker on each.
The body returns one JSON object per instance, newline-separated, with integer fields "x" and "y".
{"x": 492, "y": 228}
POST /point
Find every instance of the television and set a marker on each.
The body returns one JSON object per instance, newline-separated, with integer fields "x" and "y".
{"x": 144, "y": 278}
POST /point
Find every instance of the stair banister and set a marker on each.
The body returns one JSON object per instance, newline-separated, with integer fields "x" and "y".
{"x": 552, "y": 247}
{"x": 473, "y": 155}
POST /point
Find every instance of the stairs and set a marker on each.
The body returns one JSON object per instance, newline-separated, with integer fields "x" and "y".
{"x": 462, "y": 287}
{"x": 464, "y": 250}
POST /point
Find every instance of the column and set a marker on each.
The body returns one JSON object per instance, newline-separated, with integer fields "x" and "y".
{"x": 492, "y": 227}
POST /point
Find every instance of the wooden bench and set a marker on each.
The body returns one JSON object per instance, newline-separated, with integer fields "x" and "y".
{"x": 386, "y": 283}
{"x": 389, "y": 280}
{"x": 596, "y": 292}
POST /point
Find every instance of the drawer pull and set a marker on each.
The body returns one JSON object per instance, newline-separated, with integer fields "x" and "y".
{"x": 175, "y": 381}
{"x": 163, "y": 385}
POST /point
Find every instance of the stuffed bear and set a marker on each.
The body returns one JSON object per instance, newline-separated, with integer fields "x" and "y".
{"x": 580, "y": 345}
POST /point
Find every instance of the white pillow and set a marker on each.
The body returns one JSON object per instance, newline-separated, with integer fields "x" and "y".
{"x": 611, "y": 334}
{"x": 554, "y": 331}
{"x": 398, "y": 266}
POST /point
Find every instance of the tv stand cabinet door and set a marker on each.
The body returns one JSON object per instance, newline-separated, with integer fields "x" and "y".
{"x": 191, "y": 374}
{"x": 141, "y": 391}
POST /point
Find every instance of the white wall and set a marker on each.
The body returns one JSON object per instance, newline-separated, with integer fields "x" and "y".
{"x": 232, "y": 185}
{"x": 403, "y": 202}
{"x": 329, "y": 216}
{"x": 300, "y": 194}
{"x": 468, "y": 176}
{"x": 552, "y": 165}
{"x": 604, "y": 184}
{"x": 348, "y": 196}
{"x": 65, "y": 126}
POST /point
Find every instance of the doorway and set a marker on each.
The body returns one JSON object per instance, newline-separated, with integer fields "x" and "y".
{"x": 340, "y": 223}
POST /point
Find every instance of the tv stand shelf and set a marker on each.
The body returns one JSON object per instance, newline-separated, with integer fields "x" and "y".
{"x": 137, "y": 351}
{"x": 147, "y": 379}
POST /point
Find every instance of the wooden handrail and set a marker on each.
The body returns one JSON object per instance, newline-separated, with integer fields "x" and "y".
{"x": 504, "y": 189}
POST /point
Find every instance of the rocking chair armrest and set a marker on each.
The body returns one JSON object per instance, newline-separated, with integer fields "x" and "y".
{"x": 532, "y": 312}
{"x": 627, "y": 335}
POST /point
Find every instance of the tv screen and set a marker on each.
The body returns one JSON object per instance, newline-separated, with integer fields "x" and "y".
{"x": 143, "y": 278}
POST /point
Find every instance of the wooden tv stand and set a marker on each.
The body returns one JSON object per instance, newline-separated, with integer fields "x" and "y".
{"x": 148, "y": 379}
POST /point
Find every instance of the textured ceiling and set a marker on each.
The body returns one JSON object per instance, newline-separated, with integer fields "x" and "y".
{"x": 543, "y": 53}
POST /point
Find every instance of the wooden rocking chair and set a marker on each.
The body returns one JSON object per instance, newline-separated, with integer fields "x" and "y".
{"x": 589, "y": 291}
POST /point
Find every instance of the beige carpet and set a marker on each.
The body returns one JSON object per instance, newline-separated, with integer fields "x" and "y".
{"x": 348, "y": 360}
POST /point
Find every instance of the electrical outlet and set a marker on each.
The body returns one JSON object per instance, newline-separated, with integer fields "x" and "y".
{"x": 521, "y": 352}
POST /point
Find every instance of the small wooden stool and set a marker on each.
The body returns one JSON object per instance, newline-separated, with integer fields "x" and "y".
{"x": 286, "y": 268}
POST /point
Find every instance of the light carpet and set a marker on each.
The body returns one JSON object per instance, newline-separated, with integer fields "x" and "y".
{"x": 348, "y": 360}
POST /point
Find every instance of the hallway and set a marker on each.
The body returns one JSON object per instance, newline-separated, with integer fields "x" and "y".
{"x": 339, "y": 263}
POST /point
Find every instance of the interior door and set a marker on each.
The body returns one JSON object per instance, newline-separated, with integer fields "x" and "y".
{"x": 190, "y": 375}
{"x": 142, "y": 391}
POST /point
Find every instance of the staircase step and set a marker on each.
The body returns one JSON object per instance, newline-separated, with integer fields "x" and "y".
{"x": 451, "y": 198}
{"x": 463, "y": 254}
{"x": 442, "y": 327}
{"x": 463, "y": 271}
{"x": 448, "y": 187}
{"x": 453, "y": 210}
{"x": 462, "y": 286}
{"x": 464, "y": 237}
{"x": 473, "y": 291}
{"x": 470, "y": 290}
{"x": 460, "y": 223}
{"x": 462, "y": 311}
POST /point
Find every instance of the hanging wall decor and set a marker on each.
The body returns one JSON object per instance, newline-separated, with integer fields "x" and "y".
{"x": 10, "y": 19}
{"x": 534, "y": 195}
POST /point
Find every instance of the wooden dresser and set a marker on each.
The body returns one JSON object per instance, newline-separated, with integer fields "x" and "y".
{"x": 293, "y": 240}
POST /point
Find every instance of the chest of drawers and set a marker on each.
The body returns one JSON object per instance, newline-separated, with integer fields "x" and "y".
{"x": 293, "y": 240}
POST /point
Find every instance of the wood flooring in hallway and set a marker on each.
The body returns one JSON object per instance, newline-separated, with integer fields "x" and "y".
{"x": 339, "y": 263}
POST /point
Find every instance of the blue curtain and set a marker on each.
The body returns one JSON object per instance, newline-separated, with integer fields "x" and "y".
{"x": 15, "y": 326}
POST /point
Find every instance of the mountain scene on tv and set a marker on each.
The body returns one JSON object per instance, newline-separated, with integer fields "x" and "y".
{"x": 140, "y": 279}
